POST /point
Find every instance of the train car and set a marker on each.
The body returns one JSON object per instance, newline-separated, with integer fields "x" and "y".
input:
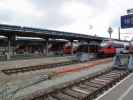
{"x": 131, "y": 47}
{"x": 86, "y": 51}
{"x": 93, "y": 47}
{"x": 68, "y": 49}
{"x": 109, "y": 48}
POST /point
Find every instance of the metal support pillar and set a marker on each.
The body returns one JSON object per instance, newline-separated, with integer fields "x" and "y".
{"x": 72, "y": 51}
{"x": 8, "y": 54}
{"x": 47, "y": 43}
{"x": 11, "y": 45}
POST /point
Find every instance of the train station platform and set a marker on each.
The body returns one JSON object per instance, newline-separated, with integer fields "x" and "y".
{"x": 32, "y": 62}
{"x": 4, "y": 78}
{"x": 38, "y": 89}
{"x": 121, "y": 91}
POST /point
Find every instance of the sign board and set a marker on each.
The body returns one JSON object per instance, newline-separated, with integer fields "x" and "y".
{"x": 130, "y": 11}
{"x": 127, "y": 21}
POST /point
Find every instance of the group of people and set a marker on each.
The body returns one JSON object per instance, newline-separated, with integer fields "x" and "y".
{"x": 124, "y": 61}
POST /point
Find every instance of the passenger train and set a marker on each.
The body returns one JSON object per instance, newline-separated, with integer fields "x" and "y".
{"x": 91, "y": 47}
{"x": 111, "y": 47}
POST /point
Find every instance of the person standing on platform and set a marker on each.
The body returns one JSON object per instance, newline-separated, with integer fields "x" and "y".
{"x": 130, "y": 65}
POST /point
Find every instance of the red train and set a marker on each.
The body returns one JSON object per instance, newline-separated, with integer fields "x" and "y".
{"x": 91, "y": 47}
{"x": 68, "y": 50}
{"x": 111, "y": 47}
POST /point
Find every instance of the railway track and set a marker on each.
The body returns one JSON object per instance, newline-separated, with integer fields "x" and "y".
{"x": 11, "y": 71}
{"x": 85, "y": 89}
{"x": 36, "y": 67}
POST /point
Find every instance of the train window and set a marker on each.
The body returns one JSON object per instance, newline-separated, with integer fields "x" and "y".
{"x": 104, "y": 44}
{"x": 113, "y": 44}
{"x": 117, "y": 45}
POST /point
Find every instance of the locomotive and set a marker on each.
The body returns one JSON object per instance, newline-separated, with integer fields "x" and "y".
{"x": 109, "y": 48}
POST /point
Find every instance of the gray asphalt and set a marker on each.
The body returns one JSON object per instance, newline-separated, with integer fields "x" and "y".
{"x": 121, "y": 91}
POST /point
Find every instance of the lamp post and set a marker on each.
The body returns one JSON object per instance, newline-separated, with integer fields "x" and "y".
{"x": 110, "y": 30}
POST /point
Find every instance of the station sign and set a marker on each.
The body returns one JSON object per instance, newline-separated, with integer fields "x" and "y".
{"x": 130, "y": 11}
{"x": 127, "y": 21}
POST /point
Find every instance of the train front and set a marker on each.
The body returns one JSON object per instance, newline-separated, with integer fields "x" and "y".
{"x": 106, "y": 49}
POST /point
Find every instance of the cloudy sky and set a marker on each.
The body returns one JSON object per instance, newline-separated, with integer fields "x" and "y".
{"x": 80, "y": 16}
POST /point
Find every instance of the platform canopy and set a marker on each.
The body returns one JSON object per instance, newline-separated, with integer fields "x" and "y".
{"x": 7, "y": 30}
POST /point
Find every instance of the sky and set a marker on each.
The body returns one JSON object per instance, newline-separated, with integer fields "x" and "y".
{"x": 92, "y": 17}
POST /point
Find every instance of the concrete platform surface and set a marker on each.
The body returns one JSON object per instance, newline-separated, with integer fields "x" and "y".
{"x": 41, "y": 87}
{"x": 121, "y": 91}
{"x": 19, "y": 79}
{"x": 31, "y": 62}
